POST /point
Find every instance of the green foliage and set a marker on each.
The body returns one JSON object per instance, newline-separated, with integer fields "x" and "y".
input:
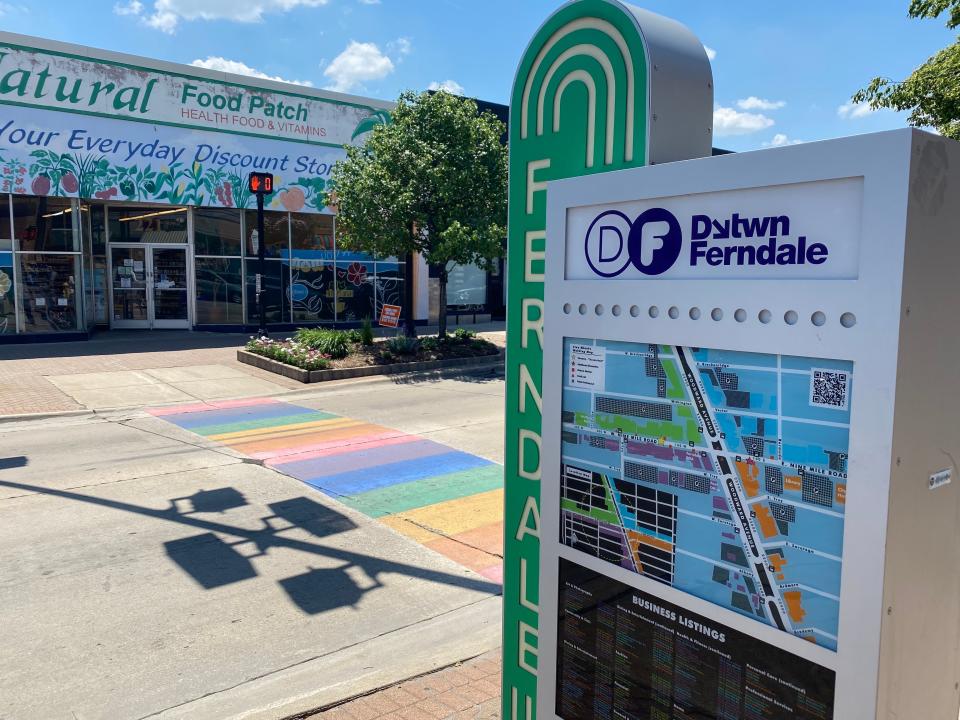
{"x": 403, "y": 345}
{"x": 354, "y": 336}
{"x": 932, "y": 92}
{"x": 332, "y": 343}
{"x": 366, "y": 332}
{"x": 430, "y": 343}
{"x": 433, "y": 181}
{"x": 464, "y": 334}
{"x": 289, "y": 352}
{"x": 935, "y": 8}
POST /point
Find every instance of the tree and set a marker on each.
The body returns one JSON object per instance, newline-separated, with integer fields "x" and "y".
{"x": 932, "y": 91}
{"x": 432, "y": 181}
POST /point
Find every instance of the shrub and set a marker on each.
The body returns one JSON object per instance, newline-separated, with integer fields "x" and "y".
{"x": 333, "y": 343}
{"x": 464, "y": 334}
{"x": 430, "y": 343}
{"x": 403, "y": 345}
{"x": 366, "y": 332}
{"x": 289, "y": 352}
{"x": 355, "y": 336}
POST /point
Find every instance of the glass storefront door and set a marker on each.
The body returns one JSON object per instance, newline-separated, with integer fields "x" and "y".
{"x": 149, "y": 286}
{"x": 168, "y": 277}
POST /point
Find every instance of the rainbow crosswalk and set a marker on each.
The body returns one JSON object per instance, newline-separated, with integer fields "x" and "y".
{"x": 448, "y": 500}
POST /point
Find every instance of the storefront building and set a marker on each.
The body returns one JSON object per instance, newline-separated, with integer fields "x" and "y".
{"x": 123, "y": 200}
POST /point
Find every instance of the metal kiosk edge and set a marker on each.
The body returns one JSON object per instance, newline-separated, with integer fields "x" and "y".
{"x": 886, "y": 207}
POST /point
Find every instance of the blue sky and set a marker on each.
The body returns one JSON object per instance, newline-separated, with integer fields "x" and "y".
{"x": 782, "y": 71}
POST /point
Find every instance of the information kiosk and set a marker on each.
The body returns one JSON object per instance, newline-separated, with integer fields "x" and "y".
{"x": 751, "y": 422}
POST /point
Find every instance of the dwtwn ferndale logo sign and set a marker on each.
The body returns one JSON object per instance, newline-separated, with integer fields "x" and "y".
{"x": 789, "y": 231}
{"x": 37, "y": 78}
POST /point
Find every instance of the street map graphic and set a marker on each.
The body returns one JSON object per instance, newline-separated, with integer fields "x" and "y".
{"x": 720, "y": 473}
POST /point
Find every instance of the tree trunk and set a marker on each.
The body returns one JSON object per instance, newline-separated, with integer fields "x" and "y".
{"x": 443, "y": 303}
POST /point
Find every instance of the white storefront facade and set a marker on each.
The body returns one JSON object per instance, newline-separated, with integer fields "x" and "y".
{"x": 123, "y": 199}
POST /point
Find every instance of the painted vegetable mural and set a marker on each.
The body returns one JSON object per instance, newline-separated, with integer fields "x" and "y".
{"x": 93, "y": 176}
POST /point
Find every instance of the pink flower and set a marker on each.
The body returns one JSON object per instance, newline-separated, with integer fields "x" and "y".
{"x": 356, "y": 273}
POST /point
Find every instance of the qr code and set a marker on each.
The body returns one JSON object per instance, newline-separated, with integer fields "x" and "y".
{"x": 830, "y": 388}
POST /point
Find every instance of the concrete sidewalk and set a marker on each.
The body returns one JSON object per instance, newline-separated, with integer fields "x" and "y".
{"x": 137, "y": 368}
{"x": 149, "y": 572}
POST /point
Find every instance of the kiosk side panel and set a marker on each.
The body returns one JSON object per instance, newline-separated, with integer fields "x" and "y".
{"x": 921, "y": 625}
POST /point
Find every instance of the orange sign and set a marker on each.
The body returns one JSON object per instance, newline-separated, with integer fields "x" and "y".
{"x": 390, "y": 316}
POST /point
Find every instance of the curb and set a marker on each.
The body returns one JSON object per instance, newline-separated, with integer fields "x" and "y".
{"x": 315, "y": 376}
{"x": 24, "y": 417}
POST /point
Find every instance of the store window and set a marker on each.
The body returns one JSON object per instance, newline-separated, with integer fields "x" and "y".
{"x": 8, "y": 318}
{"x": 390, "y": 283}
{"x": 312, "y": 290}
{"x": 276, "y": 228}
{"x": 47, "y": 289}
{"x": 311, "y": 235}
{"x": 219, "y": 283}
{"x": 149, "y": 225}
{"x": 355, "y": 291}
{"x": 216, "y": 232}
{"x": 42, "y": 224}
{"x": 276, "y": 280}
{"x": 466, "y": 287}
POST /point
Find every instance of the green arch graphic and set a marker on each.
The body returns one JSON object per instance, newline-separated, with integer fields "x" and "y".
{"x": 581, "y": 104}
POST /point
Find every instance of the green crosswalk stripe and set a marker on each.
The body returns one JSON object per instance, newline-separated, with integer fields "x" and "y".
{"x": 262, "y": 423}
{"x": 427, "y": 491}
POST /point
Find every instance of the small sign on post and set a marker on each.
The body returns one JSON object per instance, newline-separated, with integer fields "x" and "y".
{"x": 390, "y": 316}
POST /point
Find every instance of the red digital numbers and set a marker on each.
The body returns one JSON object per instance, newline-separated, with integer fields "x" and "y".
{"x": 261, "y": 183}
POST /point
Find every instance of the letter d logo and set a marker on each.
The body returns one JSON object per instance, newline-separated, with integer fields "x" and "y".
{"x": 655, "y": 241}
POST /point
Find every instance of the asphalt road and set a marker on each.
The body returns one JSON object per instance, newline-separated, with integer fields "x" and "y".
{"x": 145, "y": 572}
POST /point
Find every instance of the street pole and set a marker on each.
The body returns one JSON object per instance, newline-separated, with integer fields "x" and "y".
{"x": 261, "y": 238}
{"x": 410, "y": 323}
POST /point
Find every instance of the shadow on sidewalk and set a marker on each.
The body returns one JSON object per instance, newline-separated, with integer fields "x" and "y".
{"x": 213, "y": 562}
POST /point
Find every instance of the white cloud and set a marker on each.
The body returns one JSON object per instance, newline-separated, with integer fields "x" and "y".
{"x": 235, "y": 66}
{"x": 167, "y": 14}
{"x": 133, "y": 7}
{"x": 400, "y": 47}
{"x": 359, "y": 63}
{"x": 711, "y": 53}
{"x": 755, "y": 103}
{"x": 781, "y": 140}
{"x": 852, "y": 111}
{"x": 727, "y": 121}
{"x": 450, "y": 86}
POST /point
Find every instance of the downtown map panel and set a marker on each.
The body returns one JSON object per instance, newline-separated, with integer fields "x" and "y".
{"x": 720, "y": 473}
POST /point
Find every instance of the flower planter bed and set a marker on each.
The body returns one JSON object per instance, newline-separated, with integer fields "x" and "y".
{"x": 362, "y": 361}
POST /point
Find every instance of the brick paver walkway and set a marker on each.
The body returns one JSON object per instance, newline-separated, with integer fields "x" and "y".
{"x": 24, "y": 387}
{"x": 468, "y": 691}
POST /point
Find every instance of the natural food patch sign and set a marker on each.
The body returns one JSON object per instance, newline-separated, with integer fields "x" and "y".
{"x": 602, "y": 86}
{"x": 97, "y": 125}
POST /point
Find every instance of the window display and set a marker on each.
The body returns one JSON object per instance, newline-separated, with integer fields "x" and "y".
{"x": 47, "y": 288}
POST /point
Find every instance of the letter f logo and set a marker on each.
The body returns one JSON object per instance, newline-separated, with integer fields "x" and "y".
{"x": 655, "y": 241}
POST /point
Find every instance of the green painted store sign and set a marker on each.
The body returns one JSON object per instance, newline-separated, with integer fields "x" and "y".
{"x": 48, "y": 75}
{"x": 602, "y": 86}
{"x": 76, "y": 122}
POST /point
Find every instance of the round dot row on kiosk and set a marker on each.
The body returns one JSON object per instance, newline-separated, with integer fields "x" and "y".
{"x": 790, "y": 317}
